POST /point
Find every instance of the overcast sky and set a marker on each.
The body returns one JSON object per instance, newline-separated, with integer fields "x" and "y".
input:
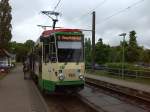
{"x": 77, "y": 14}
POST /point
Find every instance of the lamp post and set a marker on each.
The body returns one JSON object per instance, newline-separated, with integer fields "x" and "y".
{"x": 123, "y": 57}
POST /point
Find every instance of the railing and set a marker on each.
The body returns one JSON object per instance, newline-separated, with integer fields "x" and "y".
{"x": 129, "y": 73}
{"x": 126, "y": 72}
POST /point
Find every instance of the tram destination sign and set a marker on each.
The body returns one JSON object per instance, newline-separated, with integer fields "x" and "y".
{"x": 69, "y": 38}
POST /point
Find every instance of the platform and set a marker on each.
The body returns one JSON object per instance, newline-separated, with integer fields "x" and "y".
{"x": 19, "y": 95}
{"x": 136, "y": 89}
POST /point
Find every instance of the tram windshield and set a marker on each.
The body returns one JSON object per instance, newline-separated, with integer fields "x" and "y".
{"x": 70, "y": 49}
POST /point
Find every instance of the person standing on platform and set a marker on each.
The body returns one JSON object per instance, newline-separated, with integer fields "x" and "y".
{"x": 25, "y": 69}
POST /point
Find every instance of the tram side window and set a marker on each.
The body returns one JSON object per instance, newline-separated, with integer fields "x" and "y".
{"x": 46, "y": 53}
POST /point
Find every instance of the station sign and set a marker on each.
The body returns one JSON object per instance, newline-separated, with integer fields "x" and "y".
{"x": 69, "y": 38}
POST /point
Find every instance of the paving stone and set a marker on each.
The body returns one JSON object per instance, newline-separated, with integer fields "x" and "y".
{"x": 19, "y": 95}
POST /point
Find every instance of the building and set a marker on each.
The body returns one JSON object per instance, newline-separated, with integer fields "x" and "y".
{"x": 6, "y": 59}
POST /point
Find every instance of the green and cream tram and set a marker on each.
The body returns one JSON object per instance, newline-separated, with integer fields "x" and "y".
{"x": 57, "y": 60}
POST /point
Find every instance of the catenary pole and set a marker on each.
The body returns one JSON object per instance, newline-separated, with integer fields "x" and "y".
{"x": 93, "y": 40}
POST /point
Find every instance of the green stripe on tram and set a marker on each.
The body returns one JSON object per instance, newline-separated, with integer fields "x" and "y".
{"x": 50, "y": 85}
{"x": 70, "y": 82}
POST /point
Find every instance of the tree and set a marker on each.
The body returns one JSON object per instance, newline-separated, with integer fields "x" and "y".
{"x": 5, "y": 23}
{"x": 132, "y": 39}
{"x": 133, "y": 49}
{"x": 88, "y": 50}
{"x": 21, "y": 49}
{"x": 102, "y": 52}
{"x": 125, "y": 45}
{"x": 29, "y": 44}
{"x": 145, "y": 56}
{"x": 115, "y": 54}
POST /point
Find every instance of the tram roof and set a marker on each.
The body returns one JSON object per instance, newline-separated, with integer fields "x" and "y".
{"x": 49, "y": 32}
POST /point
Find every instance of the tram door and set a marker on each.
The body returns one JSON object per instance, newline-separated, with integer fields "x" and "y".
{"x": 52, "y": 50}
{"x": 38, "y": 62}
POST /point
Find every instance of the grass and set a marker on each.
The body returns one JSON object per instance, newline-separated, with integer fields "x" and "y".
{"x": 131, "y": 79}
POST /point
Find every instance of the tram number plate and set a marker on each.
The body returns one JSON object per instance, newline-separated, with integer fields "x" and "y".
{"x": 71, "y": 75}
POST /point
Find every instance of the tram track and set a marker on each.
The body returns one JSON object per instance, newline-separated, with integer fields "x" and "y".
{"x": 126, "y": 91}
{"x": 67, "y": 103}
{"x": 104, "y": 100}
{"x": 129, "y": 99}
{"x": 83, "y": 102}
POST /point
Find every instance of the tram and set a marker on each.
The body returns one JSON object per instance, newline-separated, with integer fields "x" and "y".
{"x": 57, "y": 60}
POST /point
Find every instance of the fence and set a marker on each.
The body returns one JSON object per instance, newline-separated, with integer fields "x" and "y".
{"x": 126, "y": 72}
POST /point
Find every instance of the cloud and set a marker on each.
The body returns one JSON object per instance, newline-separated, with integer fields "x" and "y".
{"x": 75, "y": 14}
{"x": 27, "y": 29}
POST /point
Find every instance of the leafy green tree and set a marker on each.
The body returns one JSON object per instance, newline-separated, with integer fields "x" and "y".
{"x": 102, "y": 52}
{"x": 125, "y": 45}
{"x": 132, "y": 50}
{"x": 5, "y": 23}
{"x": 145, "y": 56}
{"x": 132, "y": 39}
{"x": 21, "y": 49}
{"x": 115, "y": 54}
{"x": 29, "y": 44}
{"x": 12, "y": 47}
{"x": 88, "y": 49}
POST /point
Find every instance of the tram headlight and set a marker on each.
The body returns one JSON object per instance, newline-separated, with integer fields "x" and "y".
{"x": 81, "y": 77}
{"x": 61, "y": 76}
